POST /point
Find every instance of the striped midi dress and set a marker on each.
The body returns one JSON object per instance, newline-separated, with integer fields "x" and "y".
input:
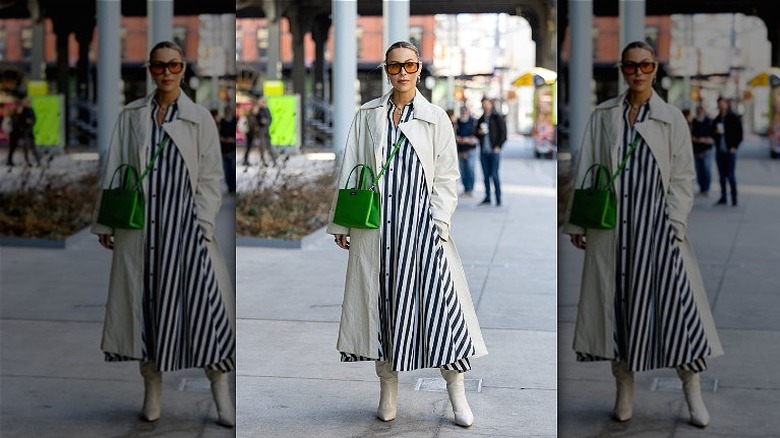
{"x": 185, "y": 323}
{"x": 421, "y": 323}
{"x": 656, "y": 322}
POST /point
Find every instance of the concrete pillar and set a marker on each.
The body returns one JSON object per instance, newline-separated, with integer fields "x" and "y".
{"x": 109, "y": 75}
{"x": 632, "y": 26}
{"x": 344, "y": 71}
{"x": 273, "y": 66}
{"x": 395, "y": 14}
{"x": 159, "y": 27}
{"x": 580, "y": 70}
{"x": 37, "y": 63}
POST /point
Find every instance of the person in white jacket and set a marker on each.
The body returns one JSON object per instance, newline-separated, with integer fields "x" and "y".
{"x": 642, "y": 301}
{"x": 406, "y": 303}
{"x": 170, "y": 300}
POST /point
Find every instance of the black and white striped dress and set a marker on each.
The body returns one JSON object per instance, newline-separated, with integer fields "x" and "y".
{"x": 656, "y": 321}
{"x": 184, "y": 320}
{"x": 421, "y": 323}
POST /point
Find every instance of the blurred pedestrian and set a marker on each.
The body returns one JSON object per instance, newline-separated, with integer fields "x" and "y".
{"x": 170, "y": 299}
{"x": 642, "y": 301}
{"x": 259, "y": 134}
{"x": 407, "y": 303}
{"x": 701, "y": 136}
{"x": 227, "y": 141}
{"x": 467, "y": 148}
{"x": 727, "y": 138}
{"x": 22, "y": 124}
{"x": 491, "y": 132}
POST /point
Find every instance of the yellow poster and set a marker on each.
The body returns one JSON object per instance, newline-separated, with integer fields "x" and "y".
{"x": 48, "y": 120}
{"x": 284, "y": 120}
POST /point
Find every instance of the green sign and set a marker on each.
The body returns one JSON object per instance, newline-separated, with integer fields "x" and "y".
{"x": 284, "y": 120}
{"x": 48, "y": 120}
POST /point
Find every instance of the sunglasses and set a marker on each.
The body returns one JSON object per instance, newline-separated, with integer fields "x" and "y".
{"x": 630, "y": 68}
{"x": 158, "y": 68}
{"x": 395, "y": 67}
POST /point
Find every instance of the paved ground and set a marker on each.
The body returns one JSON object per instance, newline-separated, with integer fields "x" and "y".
{"x": 53, "y": 380}
{"x": 739, "y": 254}
{"x": 290, "y": 383}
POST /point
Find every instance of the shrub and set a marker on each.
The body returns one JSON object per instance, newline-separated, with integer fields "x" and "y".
{"x": 284, "y": 204}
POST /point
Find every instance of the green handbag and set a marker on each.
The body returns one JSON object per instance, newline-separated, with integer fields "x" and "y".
{"x": 358, "y": 207}
{"x": 124, "y": 207}
{"x": 596, "y": 206}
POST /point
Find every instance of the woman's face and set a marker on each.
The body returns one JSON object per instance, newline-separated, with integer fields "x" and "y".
{"x": 402, "y": 81}
{"x": 635, "y": 67}
{"x": 163, "y": 61}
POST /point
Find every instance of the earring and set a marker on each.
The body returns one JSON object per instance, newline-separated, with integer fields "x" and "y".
{"x": 418, "y": 79}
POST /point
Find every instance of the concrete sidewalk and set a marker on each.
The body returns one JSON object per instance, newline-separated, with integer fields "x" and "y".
{"x": 290, "y": 383}
{"x": 739, "y": 255}
{"x": 53, "y": 379}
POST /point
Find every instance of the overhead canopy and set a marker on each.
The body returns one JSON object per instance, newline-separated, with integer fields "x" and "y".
{"x": 768, "y": 77}
{"x": 536, "y": 76}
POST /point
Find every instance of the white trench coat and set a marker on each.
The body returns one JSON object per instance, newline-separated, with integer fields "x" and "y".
{"x": 431, "y": 135}
{"x": 195, "y": 134}
{"x": 668, "y": 137}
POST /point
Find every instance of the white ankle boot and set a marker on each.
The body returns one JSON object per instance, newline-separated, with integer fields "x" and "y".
{"x": 152, "y": 390}
{"x": 388, "y": 391}
{"x": 624, "y": 399}
{"x": 222, "y": 398}
{"x": 457, "y": 392}
{"x": 692, "y": 390}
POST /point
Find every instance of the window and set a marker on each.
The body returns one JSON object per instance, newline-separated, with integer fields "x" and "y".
{"x": 27, "y": 42}
{"x": 359, "y": 42}
{"x": 262, "y": 43}
{"x": 3, "y": 39}
{"x": 239, "y": 42}
{"x": 180, "y": 38}
{"x": 416, "y": 36}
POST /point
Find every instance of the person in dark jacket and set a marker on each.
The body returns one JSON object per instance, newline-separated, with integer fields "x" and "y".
{"x": 467, "y": 149}
{"x": 23, "y": 121}
{"x": 727, "y": 137}
{"x": 701, "y": 137}
{"x": 491, "y": 132}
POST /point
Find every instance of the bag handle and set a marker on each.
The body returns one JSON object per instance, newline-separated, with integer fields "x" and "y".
{"x": 362, "y": 182}
{"x": 390, "y": 158}
{"x": 631, "y": 148}
{"x": 603, "y": 169}
{"x": 131, "y": 171}
{"x": 600, "y": 169}
{"x": 154, "y": 157}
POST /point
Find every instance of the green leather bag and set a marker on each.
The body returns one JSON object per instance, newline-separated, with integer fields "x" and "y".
{"x": 124, "y": 206}
{"x": 358, "y": 207}
{"x": 596, "y": 206}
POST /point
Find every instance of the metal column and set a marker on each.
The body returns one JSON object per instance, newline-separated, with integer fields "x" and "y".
{"x": 344, "y": 71}
{"x": 109, "y": 15}
{"x": 580, "y": 70}
{"x": 632, "y": 26}
{"x": 160, "y": 26}
{"x": 395, "y": 15}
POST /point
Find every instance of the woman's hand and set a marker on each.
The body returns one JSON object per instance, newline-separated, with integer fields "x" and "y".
{"x": 106, "y": 240}
{"x": 578, "y": 240}
{"x": 342, "y": 240}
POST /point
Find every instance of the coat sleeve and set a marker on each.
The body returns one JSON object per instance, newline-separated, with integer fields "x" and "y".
{"x": 208, "y": 193}
{"x": 682, "y": 178}
{"x": 444, "y": 193}
{"x": 348, "y": 160}
{"x": 585, "y": 158}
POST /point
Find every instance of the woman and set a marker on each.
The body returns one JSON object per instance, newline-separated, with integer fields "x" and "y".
{"x": 406, "y": 302}
{"x": 170, "y": 300}
{"x": 642, "y": 300}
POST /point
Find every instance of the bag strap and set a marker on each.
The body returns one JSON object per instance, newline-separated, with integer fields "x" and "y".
{"x": 389, "y": 159}
{"x": 631, "y": 148}
{"x": 154, "y": 157}
{"x": 362, "y": 183}
{"x": 130, "y": 172}
{"x": 600, "y": 170}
